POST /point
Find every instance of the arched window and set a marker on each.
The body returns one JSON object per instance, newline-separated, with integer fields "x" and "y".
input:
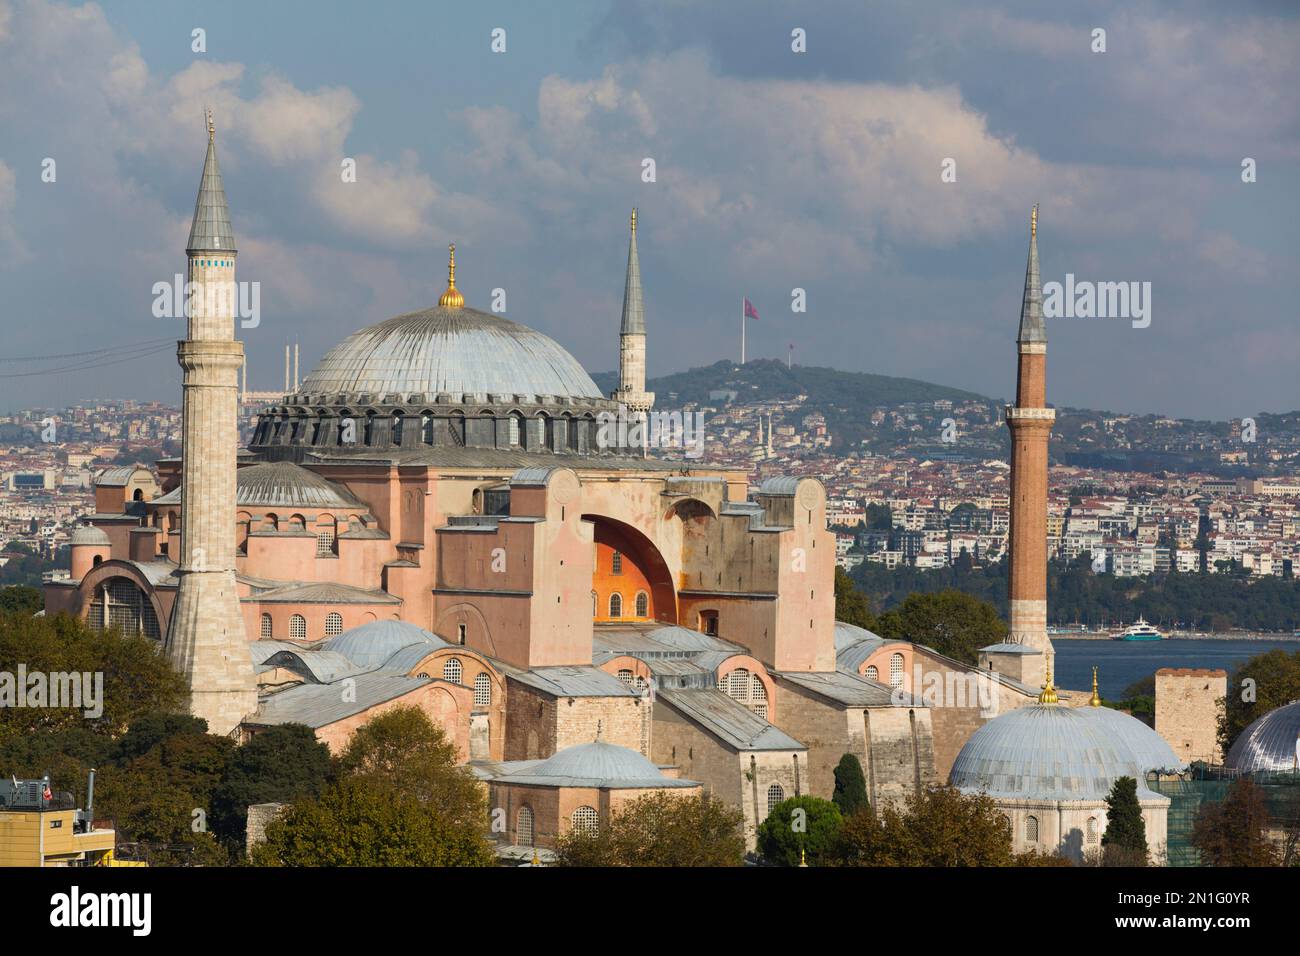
{"x": 775, "y": 794}
{"x": 524, "y": 827}
{"x": 1031, "y": 829}
{"x": 616, "y": 605}
{"x": 397, "y": 428}
{"x": 482, "y": 690}
{"x": 451, "y": 671}
{"x": 586, "y": 820}
{"x": 426, "y": 428}
{"x": 625, "y": 676}
{"x": 616, "y": 563}
{"x": 873, "y": 673}
{"x": 297, "y": 628}
{"x": 326, "y": 536}
{"x": 516, "y": 429}
{"x": 120, "y": 604}
{"x": 268, "y": 630}
{"x": 896, "y": 671}
{"x": 738, "y": 685}
{"x": 333, "y": 623}
{"x": 1092, "y": 830}
{"x": 642, "y": 604}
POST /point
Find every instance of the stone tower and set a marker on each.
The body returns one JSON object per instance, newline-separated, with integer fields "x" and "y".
{"x": 631, "y": 352}
{"x": 206, "y": 640}
{"x": 1030, "y": 421}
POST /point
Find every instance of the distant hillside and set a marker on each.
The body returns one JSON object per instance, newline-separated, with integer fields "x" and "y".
{"x": 845, "y": 398}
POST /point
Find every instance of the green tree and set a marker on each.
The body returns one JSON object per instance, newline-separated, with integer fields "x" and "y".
{"x": 22, "y": 599}
{"x": 279, "y": 765}
{"x": 953, "y": 623}
{"x": 1235, "y": 832}
{"x": 660, "y": 829}
{"x": 940, "y": 826}
{"x": 1268, "y": 680}
{"x": 136, "y": 678}
{"x": 804, "y": 824}
{"x": 404, "y": 750}
{"x": 1125, "y": 841}
{"x": 360, "y": 822}
{"x": 851, "y": 605}
{"x": 850, "y": 786}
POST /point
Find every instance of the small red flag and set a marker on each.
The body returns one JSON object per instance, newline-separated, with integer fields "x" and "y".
{"x": 750, "y": 311}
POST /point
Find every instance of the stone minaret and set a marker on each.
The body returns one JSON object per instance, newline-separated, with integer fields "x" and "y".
{"x": 631, "y": 352}
{"x": 206, "y": 639}
{"x": 1030, "y": 421}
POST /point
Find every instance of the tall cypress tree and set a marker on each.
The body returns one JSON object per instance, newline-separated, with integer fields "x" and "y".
{"x": 850, "y": 786}
{"x": 1125, "y": 839}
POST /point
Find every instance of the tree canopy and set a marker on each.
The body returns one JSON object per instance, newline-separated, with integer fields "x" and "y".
{"x": 660, "y": 829}
{"x": 798, "y": 826}
{"x": 953, "y": 623}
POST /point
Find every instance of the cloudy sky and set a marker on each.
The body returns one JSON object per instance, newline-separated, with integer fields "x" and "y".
{"x": 775, "y": 170}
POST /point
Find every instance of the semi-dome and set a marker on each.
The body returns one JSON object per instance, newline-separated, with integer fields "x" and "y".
{"x": 1044, "y": 752}
{"x": 370, "y": 645}
{"x": 280, "y": 484}
{"x": 1270, "y": 744}
{"x": 452, "y": 351}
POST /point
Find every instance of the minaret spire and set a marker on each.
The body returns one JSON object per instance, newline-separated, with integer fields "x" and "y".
{"x": 205, "y": 639}
{"x": 631, "y": 353}
{"x": 1030, "y": 422}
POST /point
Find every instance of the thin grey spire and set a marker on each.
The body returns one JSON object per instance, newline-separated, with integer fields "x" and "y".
{"x": 633, "y": 307}
{"x": 211, "y": 230}
{"x": 1032, "y": 328}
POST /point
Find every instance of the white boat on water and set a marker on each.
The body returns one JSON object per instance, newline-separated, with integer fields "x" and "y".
{"x": 1140, "y": 630}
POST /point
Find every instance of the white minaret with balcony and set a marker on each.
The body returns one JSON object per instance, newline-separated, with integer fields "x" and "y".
{"x": 206, "y": 639}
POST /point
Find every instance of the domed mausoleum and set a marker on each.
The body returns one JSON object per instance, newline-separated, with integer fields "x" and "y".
{"x": 1050, "y": 768}
{"x": 1271, "y": 744}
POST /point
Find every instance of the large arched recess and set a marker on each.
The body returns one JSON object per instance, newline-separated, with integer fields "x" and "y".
{"x": 643, "y": 567}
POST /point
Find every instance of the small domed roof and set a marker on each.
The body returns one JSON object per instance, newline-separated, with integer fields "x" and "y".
{"x": 281, "y": 484}
{"x": 1148, "y": 747}
{"x": 370, "y": 645}
{"x": 1269, "y": 744}
{"x": 89, "y": 534}
{"x": 1044, "y": 752}
{"x": 597, "y": 764}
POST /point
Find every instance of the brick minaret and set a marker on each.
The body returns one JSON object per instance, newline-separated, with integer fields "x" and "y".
{"x": 631, "y": 349}
{"x": 206, "y": 639}
{"x": 1030, "y": 421}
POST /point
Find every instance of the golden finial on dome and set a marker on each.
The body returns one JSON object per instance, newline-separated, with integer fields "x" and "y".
{"x": 1095, "y": 699}
{"x": 634, "y": 220}
{"x": 451, "y": 299}
{"x": 1048, "y": 696}
{"x": 1033, "y": 221}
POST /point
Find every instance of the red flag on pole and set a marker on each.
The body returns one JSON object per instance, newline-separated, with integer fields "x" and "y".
{"x": 750, "y": 311}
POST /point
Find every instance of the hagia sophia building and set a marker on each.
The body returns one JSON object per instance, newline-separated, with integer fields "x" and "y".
{"x": 436, "y": 517}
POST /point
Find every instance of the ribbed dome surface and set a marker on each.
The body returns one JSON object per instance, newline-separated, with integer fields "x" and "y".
{"x": 1148, "y": 747}
{"x": 450, "y": 351}
{"x": 89, "y": 534}
{"x": 281, "y": 484}
{"x": 1269, "y": 744}
{"x": 1044, "y": 752}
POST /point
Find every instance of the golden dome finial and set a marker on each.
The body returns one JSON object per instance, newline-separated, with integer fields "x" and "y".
{"x": 1048, "y": 696}
{"x": 212, "y": 126}
{"x": 1033, "y": 222}
{"x": 634, "y": 220}
{"x": 451, "y": 299}
{"x": 537, "y": 860}
{"x": 1095, "y": 699}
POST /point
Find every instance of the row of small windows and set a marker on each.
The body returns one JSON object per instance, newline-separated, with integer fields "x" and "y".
{"x": 298, "y": 626}
{"x": 616, "y": 604}
{"x": 562, "y": 434}
{"x": 213, "y": 262}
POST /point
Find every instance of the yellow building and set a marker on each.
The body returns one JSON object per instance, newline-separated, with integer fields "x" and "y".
{"x": 38, "y": 828}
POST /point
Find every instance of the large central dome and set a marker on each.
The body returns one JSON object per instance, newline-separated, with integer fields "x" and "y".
{"x": 451, "y": 350}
